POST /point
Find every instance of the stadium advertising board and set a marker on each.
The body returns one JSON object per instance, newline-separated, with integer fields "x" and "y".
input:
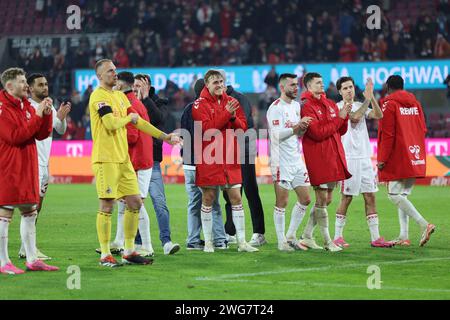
{"x": 70, "y": 161}
{"x": 423, "y": 74}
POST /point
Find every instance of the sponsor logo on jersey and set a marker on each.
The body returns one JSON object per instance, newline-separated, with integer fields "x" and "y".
{"x": 413, "y": 111}
{"x": 101, "y": 105}
{"x": 276, "y": 122}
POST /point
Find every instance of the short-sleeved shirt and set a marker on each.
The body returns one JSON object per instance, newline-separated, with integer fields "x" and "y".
{"x": 356, "y": 140}
{"x": 108, "y": 146}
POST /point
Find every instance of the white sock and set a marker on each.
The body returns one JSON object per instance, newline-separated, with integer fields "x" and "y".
{"x": 408, "y": 208}
{"x": 279, "y": 219}
{"x": 28, "y": 235}
{"x": 372, "y": 221}
{"x": 144, "y": 229}
{"x": 239, "y": 222}
{"x": 298, "y": 212}
{"x": 403, "y": 219}
{"x": 120, "y": 233}
{"x": 339, "y": 226}
{"x": 4, "y": 226}
{"x": 309, "y": 229}
{"x": 321, "y": 216}
{"x": 206, "y": 216}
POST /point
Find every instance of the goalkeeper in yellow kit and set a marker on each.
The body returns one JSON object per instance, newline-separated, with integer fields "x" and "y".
{"x": 110, "y": 112}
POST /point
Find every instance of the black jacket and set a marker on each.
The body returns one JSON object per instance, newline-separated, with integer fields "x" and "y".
{"x": 158, "y": 113}
{"x": 187, "y": 123}
{"x": 246, "y": 105}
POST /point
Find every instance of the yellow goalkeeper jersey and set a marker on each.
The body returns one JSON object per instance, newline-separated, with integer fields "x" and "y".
{"x": 109, "y": 145}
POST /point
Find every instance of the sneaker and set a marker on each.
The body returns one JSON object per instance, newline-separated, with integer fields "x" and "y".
{"x": 22, "y": 255}
{"x": 401, "y": 242}
{"x": 208, "y": 247}
{"x": 109, "y": 261}
{"x": 39, "y": 265}
{"x": 231, "y": 239}
{"x": 284, "y": 246}
{"x": 135, "y": 258}
{"x": 332, "y": 247}
{"x": 221, "y": 246}
{"x": 145, "y": 253}
{"x": 171, "y": 248}
{"x": 310, "y": 243}
{"x": 296, "y": 245}
{"x": 245, "y": 247}
{"x": 196, "y": 246}
{"x": 381, "y": 243}
{"x": 42, "y": 256}
{"x": 9, "y": 268}
{"x": 257, "y": 240}
{"x": 426, "y": 234}
{"x": 341, "y": 242}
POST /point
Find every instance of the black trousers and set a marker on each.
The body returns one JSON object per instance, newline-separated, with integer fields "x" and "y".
{"x": 251, "y": 190}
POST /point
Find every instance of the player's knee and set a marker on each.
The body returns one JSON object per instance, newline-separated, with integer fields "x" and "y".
{"x": 305, "y": 201}
{"x": 281, "y": 203}
{"x": 395, "y": 198}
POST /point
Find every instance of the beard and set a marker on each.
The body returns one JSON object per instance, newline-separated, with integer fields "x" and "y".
{"x": 291, "y": 95}
{"x": 41, "y": 96}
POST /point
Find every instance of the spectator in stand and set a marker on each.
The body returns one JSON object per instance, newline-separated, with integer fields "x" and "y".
{"x": 271, "y": 78}
{"x": 348, "y": 51}
{"x": 397, "y": 48}
{"x": 441, "y": 48}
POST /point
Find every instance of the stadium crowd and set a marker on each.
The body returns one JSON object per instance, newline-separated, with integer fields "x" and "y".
{"x": 193, "y": 33}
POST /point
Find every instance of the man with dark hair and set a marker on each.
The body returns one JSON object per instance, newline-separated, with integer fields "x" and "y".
{"x": 324, "y": 154}
{"x": 140, "y": 149}
{"x": 219, "y": 168}
{"x": 38, "y": 87}
{"x": 194, "y": 225}
{"x": 249, "y": 183}
{"x": 20, "y": 126}
{"x": 402, "y": 154}
{"x": 358, "y": 152}
{"x": 158, "y": 112}
{"x": 287, "y": 168}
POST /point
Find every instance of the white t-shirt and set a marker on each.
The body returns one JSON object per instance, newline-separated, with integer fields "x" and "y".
{"x": 284, "y": 144}
{"x": 356, "y": 140}
{"x": 44, "y": 146}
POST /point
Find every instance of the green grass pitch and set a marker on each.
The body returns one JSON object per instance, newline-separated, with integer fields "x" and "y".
{"x": 66, "y": 231}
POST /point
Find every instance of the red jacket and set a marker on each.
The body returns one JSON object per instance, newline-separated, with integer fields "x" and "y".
{"x": 19, "y": 127}
{"x": 401, "y": 137}
{"x": 140, "y": 145}
{"x": 322, "y": 146}
{"x": 212, "y": 168}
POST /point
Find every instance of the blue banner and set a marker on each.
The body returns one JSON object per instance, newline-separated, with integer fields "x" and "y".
{"x": 421, "y": 74}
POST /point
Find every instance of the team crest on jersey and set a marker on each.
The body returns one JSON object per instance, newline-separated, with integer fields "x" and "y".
{"x": 276, "y": 122}
{"x": 108, "y": 190}
{"x": 415, "y": 150}
{"x": 319, "y": 112}
{"x": 28, "y": 115}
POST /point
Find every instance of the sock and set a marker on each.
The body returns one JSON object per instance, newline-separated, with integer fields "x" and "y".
{"x": 321, "y": 216}
{"x": 104, "y": 232}
{"x": 28, "y": 235}
{"x": 408, "y": 208}
{"x": 298, "y": 212}
{"x": 309, "y": 229}
{"x": 4, "y": 226}
{"x": 372, "y": 221}
{"x": 279, "y": 219}
{"x": 339, "y": 226}
{"x": 120, "y": 237}
{"x": 206, "y": 216}
{"x": 144, "y": 229}
{"x": 130, "y": 227}
{"x": 403, "y": 219}
{"x": 239, "y": 222}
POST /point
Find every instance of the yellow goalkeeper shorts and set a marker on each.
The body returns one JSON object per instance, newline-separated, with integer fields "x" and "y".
{"x": 115, "y": 180}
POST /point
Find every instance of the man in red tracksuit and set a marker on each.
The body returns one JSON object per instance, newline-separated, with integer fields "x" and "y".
{"x": 402, "y": 154}
{"x": 20, "y": 127}
{"x": 217, "y": 164}
{"x": 140, "y": 148}
{"x": 323, "y": 152}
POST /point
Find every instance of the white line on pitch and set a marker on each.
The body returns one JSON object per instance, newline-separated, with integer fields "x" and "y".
{"x": 334, "y": 267}
{"x": 324, "y": 284}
